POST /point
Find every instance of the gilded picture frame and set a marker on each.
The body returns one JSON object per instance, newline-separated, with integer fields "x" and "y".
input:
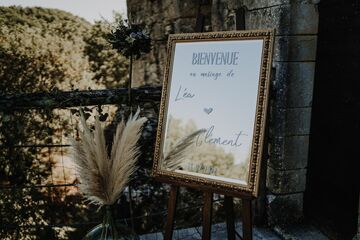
{"x": 210, "y": 62}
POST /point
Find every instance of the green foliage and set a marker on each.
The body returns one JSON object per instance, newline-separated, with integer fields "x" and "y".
{"x": 45, "y": 50}
{"x": 65, "y": 24}
{"x": 40, "y": 49}
{"x": 108, "y": 66}
{"x": 19, "y": 167}
{"x": 23, "y": 206}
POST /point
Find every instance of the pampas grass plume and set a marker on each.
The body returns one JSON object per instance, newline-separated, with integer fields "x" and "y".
{"x": 173, "y": 159}
{"x": 104, "y": 177}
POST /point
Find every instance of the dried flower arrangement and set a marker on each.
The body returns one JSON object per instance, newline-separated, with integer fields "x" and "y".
{"x": 103, "y": 177}
{"x": 130, "y": 39}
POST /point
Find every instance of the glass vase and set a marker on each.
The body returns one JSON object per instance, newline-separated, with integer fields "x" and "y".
{"x": 110, "y": 229}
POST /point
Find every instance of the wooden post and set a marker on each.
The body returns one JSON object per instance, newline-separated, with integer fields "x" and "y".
{"x": 247, "y": 219}
{"x": 207, "y": 215}
{"x": 169, "y": 226}
{"x": 230, "y": 218}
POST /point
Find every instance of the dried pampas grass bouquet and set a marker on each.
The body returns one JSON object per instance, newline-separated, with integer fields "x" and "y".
{"x": 104, "y": 176}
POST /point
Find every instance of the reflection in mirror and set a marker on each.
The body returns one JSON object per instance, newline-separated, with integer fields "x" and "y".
{"x": 211, "y": 108}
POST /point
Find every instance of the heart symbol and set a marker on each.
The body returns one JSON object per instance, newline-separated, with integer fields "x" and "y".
{"x": 208, "y": 110}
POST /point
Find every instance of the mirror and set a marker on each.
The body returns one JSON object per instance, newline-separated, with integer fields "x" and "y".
{"x": 210, "y": 106}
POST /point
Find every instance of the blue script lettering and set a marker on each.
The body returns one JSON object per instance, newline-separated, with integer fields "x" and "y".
{"x": 183, "y": 93}
{"x": 209, "y": 139}
{"x": 215, "y": 58}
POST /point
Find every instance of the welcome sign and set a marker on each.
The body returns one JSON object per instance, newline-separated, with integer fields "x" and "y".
{"x": 213, "y": 110}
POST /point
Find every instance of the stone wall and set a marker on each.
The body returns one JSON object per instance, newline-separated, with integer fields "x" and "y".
{"x": 296, "y": 25}
{"x": 161, "y": 18}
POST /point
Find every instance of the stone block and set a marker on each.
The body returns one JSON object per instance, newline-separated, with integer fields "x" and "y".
{"x": 256, "y": 4}
{"x": 153, "y": 55}
{"x": 295, "y": 48}
{"x": 289, "y": 153}
{"x": 285, "y": 182}
{"x": 278, "y": 86}
{"x": 294, "y": 19}
{"x": 264, "y": 18}
{"x": 300, "y": 84}
{"x": 305, "y": 19}
{"x": 162, "y": 56}
{"x": 277, "y": 121}
{"x": 232, "y": 4}
{"x": 300, "y": 231}
{"x": 138, "y": 74}
{"x": 298, "y": 121}
{"x": 277, "y": 104}
{"x": 149, "y": 69}
{"x": 157, "y": 32}
{"x": 220, "y": 17}
{"x": 187, "y": 8}
{"x": 169, "y": 9}
{"x": 153, "y": 75}
{"x": 285, "y": 209}
{"x": 184, "y": 25}
{"x": 298, "y": 78}
{"x": 138, "y": 9}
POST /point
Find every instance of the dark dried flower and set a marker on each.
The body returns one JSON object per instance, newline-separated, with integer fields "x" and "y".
{"x": 130, "y": 39}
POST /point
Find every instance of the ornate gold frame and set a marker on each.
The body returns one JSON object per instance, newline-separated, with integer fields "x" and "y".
{"x": 222, "y": 187}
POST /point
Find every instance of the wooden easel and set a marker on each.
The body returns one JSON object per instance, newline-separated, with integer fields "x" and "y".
{"x": 208, "y": 195}
{"x": 207, "y": 215}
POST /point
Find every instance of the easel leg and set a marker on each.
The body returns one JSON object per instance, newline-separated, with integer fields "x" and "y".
{"x": 169, "y": 227}
{"x": 247, "y": 219}
{"x": 207, "y": 215}
{"x": 230, "y": 222}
